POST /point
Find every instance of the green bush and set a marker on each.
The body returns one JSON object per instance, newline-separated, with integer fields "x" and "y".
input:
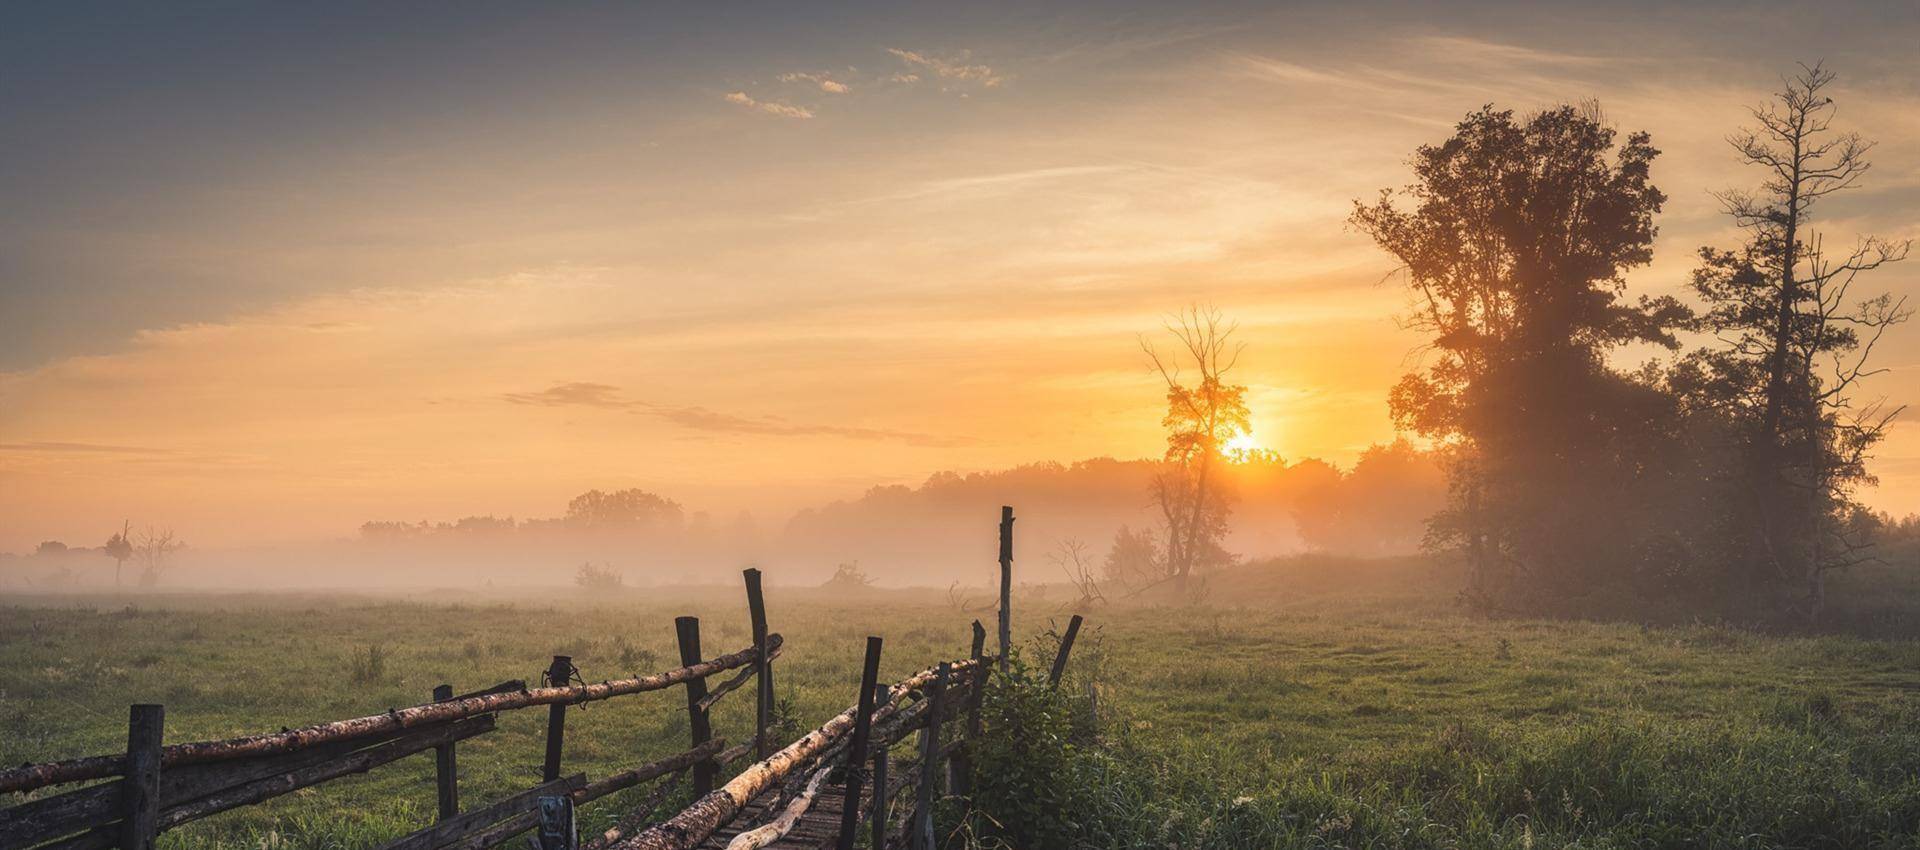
{"x": 1719, "y": 785}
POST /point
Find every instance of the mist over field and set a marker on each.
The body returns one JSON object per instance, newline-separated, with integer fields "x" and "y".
{"x": 934, "y": 534}
{"x": 1357, "y": 425}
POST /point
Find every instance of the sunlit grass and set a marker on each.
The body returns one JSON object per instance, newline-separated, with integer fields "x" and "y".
{"x": 1317, "y": 700}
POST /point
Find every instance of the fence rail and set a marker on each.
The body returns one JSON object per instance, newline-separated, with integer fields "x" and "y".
{"x": 154, "y": 787}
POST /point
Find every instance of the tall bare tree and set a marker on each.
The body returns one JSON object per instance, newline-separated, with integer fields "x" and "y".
{"x": 1204, "y": 411}
{"x": 1797, "y": 343}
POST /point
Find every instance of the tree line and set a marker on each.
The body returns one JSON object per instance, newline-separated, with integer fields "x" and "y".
{"x": 1721, "y": 478}
{"x": 1718, "y": 480}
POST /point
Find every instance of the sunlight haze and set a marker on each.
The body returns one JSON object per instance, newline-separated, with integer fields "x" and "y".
{"x": 266, "y": 276}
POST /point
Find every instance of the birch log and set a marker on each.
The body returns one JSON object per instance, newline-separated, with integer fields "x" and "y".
{"x": 766, "y": 834}
{"x": 32, "y": 776}
{"x": 693, "y": 824}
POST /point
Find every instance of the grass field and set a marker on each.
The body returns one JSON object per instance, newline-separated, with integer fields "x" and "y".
{"x": 1311, "y": 704}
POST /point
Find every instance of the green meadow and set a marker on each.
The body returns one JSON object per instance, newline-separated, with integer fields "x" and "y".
{"x": 1305, "y": 703}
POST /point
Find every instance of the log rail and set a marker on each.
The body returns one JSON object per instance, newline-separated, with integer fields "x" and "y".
{"x": 796, "y": 796}
{"x": 152, "y": 788}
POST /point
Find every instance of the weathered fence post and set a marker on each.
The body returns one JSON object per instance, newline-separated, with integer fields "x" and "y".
{"x": 1066, "y": 646}
{"x": 763, "y": 667}
{"x": 445, "y": 768}
{"x": 856, "y": 753}
{"x": 687, "y": 630}
{"x": 559, "y": 673}
{"x": 146, "y": 725}
{"x": 929, "y": 760}
{"x": 1006, "y": 584}
{"x": 877, "y": 812}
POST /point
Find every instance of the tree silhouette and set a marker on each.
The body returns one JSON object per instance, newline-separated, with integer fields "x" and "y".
{"x": 1514, "y": 239}
{"x": 119, "y": 547}
{"x": 1204, "y": 411}
{"x": 1795, "y": 344}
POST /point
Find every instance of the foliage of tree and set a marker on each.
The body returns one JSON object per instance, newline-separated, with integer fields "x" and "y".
{"x": 1379, "y": 507}
{"x": 1795, "y": 342}
{"x": 1133, "y": 560}
{"x": 1515, "y": 238}
{"x": 623, "y": 509}
{"x": 119, "y": 547}
{"x": 592, "y": 576}
{"x": 849, "y": 576}
{"x": 1722, "y": 480}
{"x": 1204, "y": 411}
{"x": 154, "y": 552}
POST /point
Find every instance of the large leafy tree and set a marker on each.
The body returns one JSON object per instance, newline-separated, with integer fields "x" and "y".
{"x": 1514, "y": 239}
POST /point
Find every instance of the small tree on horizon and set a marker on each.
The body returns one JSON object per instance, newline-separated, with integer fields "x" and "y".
{"x": 1204, "y": 411}
{"x": 155, "y": 552}
{"x": 119, "y": 547}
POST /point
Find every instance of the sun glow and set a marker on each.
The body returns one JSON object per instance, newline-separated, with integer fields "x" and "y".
{"x": 1242, "y": 445}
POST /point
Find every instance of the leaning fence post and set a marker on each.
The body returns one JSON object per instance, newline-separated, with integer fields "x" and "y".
{"x": 145, "y": 727}
{"x": 559, "y": 673}
{"x": 687, "y": 630}
{"x": 1006, "y": 584}
{"x": 877, "y": 812}
{"x": 445, "y": 769}
{"x": 929, "y": 760}
{"x": 763, "y": 667}
{"x": 1066, "y": 646}
{"x": 856, "y": 761}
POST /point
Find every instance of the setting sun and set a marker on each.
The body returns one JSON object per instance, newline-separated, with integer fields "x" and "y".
{"x": 1467, "y": 386}
{"x": 1243, "y": 444}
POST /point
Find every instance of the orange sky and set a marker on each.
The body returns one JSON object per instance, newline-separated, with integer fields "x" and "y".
{"x": 784, "y": 269}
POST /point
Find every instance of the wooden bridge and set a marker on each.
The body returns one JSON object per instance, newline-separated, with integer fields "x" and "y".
{"x": 791, "y": 797}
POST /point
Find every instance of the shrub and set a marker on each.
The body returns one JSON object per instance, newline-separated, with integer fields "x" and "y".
{"x": 368, "y": 666}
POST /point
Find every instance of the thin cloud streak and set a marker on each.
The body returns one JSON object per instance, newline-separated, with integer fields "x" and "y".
{"x": 606, "y": 396}
{"x": 784, "y": 110}
{"x": 78, "y": 448}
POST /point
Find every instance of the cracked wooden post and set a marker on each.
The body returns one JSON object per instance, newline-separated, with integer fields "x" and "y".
{"x": 141, "y": 824}
{"x": 446, "y": 773}
{"x": 687, "y": 631}
{"x": 856, "y": 753}
{"x": 877, "y": 813}
{"x": 559, "y": 673}
{"x": 1066, "y": 646}
{"x": 763, "y": 707}
{"x": 1006, "y": 584}
{"x": 922, "y": 838}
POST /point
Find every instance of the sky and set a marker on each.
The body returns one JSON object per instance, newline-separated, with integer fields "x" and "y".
{"x": 269, "y": 271}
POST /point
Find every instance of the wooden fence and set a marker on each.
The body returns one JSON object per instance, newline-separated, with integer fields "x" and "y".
{"x": 153, "y": 787}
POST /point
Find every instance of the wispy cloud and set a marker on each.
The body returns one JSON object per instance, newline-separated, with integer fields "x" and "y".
{"x": 773, "y": 107}
{"x": 77, "y": 448}
{"x": 588, "y": 394}
{"x": 576, "y": 392}
{"x": 1492, "y": 52}
{"x": 824, "y": 81}
{"x": 952, "y": 67}
{"x": 702, "y": 419}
